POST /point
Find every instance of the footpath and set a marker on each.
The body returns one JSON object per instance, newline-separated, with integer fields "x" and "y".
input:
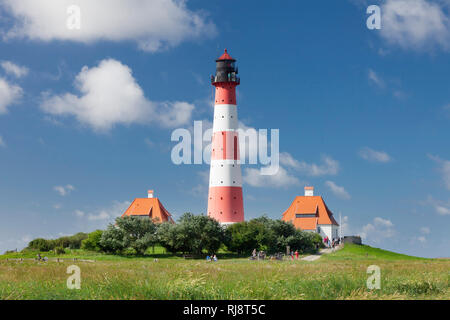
{"x": 314, "y": 257}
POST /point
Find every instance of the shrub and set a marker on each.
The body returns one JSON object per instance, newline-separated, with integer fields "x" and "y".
{"x": 129, "y": 232}
{"x": 72, "y": 242}
{"x": 92, "y": 242}
{"x": 40, "y": 244}
{"x": 59, "y": 250}
{"x": 269, "y": 235}
{"x": 192, "y": 234}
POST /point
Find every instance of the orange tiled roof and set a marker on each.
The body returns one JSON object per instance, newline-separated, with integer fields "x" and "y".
{"x": 150, "y": 207}
{"x": 314, "y": 205}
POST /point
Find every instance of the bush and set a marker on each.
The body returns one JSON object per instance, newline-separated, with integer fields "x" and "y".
{"x": 40, "y": 244}
{"x": 92, "y": 242}
{"x": 192, "y": 234}
{"x": 269, "y": 235}
{"x": 129, "y": 232}
{"x": 72, "y": 242}
{"x": 59, "y": 250}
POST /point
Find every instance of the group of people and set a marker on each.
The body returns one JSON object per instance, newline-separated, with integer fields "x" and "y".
{"x": 294, "y": 254}
{"x": 39, "y": 258}
{"x": 331, "y": 243}
{"x": 212, "y": 258}
{"x": 258, "y": 255}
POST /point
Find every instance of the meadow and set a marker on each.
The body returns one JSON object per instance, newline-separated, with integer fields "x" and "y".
{"x": 340, "y": 275}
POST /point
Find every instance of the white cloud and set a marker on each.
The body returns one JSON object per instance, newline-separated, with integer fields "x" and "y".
{"x": 378, "y": 230}
{"x": 329, "y": 166}
{"x": 337, "y": 190}
{"x": 64, "y": 190}
{"x": 14, "y": 69}
{"x": 345, "y": 226}
{"x": 153, "y": 24}
{"x": 281, "y": 179}
{"x": 289, "y": 161}
{"x": 415, "y": 24}
{"x": 425, "y": 230}
{"x": 9, "y": 94}
{"x": 109, "y": 214}
{"x": 440, "y": 207}
{"x": 383, "y": 222}
{"x": 374, "y": 156}
{"x": 442, "y": 210}
{"x": 375, "y": 78}
{"x": 2, "y": 142}
{"x": 109, "y": 95}
{"x": 422, "y": 239}
{"x": 79, "y": 213}
{"x": 444, "y": 169}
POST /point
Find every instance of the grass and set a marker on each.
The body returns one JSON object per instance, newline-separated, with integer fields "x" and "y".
{"x": 340, "y": 275}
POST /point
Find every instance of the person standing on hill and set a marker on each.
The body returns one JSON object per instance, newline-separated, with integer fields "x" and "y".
{"x": 296, "y": 254}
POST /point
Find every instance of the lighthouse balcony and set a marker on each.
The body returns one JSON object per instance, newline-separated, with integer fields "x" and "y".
{"x": 230, "y": 77}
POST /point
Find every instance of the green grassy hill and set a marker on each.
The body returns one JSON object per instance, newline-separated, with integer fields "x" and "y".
{"x": 339, "y": 275}
{"x": 363, "y": 252}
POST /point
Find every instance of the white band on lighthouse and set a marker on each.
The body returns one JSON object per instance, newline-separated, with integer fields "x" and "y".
{"x": 225, "y": 173}
{"x": 225, "y": 117}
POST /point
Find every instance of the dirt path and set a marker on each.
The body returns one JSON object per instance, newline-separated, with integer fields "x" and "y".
{"x": 321, "y": 252}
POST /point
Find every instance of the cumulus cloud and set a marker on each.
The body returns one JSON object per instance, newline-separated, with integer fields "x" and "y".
{"x": 338, "y": 190}
{"x": 329, "y": 166}
{"x": 422, "y": 239}
{"x": 440, "y": 207}
{"x": 109, "y": 95}
{"x": 415, "y": 24}
{"x": 374, "y": 156}
{"x": 79, "y": 213}
{"x": 345, "y": 226}
{"x": 9, "y": 94}
{"x": 14, "y": 69}
{"x": 444, "y": 169}
{"x": 107, "y": 214}
{"x": 378, "y": 230}
{"x": 281, "y": 179}
{"x": 153, "y": 24}
{"x": 64, "y": 190}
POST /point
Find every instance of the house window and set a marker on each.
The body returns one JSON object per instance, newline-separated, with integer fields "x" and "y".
{"x": 305, "y": 215}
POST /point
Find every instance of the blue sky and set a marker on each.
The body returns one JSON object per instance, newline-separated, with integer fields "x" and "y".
{"x": 363, "y": 114}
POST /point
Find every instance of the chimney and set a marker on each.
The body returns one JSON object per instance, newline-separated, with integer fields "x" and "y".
{"x": 150, "y": 193}
{"x": 309, "y": 191}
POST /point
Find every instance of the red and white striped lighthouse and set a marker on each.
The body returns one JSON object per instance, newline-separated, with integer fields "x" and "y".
{"x": 225, "y": 201}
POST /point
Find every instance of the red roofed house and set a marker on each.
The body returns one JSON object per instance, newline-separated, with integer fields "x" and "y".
{"x": 310, "y": 213}
{"x": 150, "y": 208}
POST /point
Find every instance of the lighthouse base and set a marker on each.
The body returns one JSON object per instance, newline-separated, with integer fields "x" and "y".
{"x": 225, "y": 204}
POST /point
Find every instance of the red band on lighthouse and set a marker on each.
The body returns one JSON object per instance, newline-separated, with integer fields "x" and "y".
{"x": 225, "y": 200}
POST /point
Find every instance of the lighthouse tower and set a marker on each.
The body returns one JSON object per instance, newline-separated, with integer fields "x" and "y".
{"x": 225, "y": 202}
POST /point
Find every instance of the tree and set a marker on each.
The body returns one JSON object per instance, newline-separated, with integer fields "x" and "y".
{"x": 241, "y": 237}
{"x": 93, "y": 241}
{"x": 40, "y": 244}
{"x": 129, "y": 232}
{"x": 192, "y": 234}
{"x": 112, "y": 240}
{"x": 268, "y": 235}
{"x": 167, "y": 236}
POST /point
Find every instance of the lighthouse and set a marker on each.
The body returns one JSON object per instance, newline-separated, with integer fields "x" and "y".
{"x": 225, "y": 201}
